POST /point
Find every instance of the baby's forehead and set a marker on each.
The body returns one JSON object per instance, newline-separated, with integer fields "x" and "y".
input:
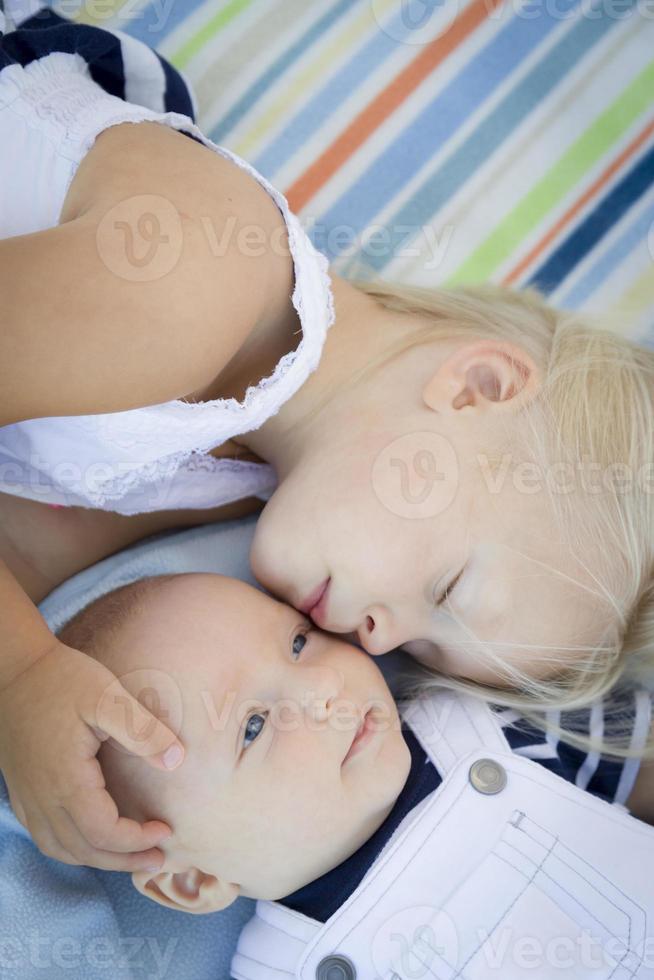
{"x": 213, "y": 623}
{"x": 217, "y": 603}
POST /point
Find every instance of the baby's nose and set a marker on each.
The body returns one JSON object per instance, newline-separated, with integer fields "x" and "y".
{"x": 322, "y": 687}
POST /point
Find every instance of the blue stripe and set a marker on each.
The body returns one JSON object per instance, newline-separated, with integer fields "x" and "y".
{"x": 579, "y": 243}
{"x": 152, "y": 24}
{"x": 594, "y": 278}
{"x": 418, "y": 142}
{"x": 265, "y": 81}
{"x": 327, "y": 100}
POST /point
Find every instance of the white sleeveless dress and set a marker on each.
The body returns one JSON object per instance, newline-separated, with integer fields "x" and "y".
{"x": 156, "y": 457}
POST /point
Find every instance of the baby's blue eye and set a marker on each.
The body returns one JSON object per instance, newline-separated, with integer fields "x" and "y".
{"x": 304, "y": 638}
{"x": 253, "y": 728}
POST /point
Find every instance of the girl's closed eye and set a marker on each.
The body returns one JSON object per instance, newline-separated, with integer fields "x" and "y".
{"x": 447, "y": 591}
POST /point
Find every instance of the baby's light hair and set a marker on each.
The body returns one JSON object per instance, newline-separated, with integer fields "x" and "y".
{"x": 94, "y": 628}
{"x": 595, "y": 403}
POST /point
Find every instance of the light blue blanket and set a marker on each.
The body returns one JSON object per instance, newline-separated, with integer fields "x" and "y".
{"x": 60, "y": 921}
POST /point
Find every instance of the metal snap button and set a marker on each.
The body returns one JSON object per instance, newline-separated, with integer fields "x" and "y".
{"x": 487, "y": 776}
{"x": 336, "y": 968}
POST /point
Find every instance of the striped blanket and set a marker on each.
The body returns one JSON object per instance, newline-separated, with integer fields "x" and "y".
{"x": 438, "y": 142}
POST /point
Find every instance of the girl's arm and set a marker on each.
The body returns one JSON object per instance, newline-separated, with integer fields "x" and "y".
{"x": 42, "y": 546}
{"x": 24, "y": 633}
{"x": 148, "y": 292}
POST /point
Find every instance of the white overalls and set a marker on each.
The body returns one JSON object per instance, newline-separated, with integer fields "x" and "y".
{"x": 505, "y": 871}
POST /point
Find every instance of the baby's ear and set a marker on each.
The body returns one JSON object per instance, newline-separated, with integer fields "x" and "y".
{"x": 191, "y": 891}
{"x": 481, "y": 376}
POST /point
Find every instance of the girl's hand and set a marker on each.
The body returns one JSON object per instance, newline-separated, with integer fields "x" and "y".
{"x": 50, "y": 733}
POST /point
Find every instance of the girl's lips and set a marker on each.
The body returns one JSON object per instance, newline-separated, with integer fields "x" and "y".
{"x": 319, "y": 610}
{"x": 363, "y": 734}
{"x": 314, "y": 597}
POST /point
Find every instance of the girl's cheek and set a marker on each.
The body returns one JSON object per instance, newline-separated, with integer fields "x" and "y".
{"x": 424, "y": 652}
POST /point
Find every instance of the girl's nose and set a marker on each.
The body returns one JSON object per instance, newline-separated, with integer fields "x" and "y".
{"x": 380, "y": 631}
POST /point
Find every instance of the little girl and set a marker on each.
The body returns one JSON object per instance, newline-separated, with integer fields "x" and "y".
{"x": 467, "y": 474}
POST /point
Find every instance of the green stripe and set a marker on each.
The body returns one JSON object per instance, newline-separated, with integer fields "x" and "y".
{"x": 190, "y": 48}
{"x": 554, "y": 185}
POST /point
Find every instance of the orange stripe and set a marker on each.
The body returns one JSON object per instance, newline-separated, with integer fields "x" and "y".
{"x": 574, "y": 209}
{"x": 388, "y": 100}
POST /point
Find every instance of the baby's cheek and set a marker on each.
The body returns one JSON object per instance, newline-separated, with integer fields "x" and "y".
{"x": 246, "y": 840}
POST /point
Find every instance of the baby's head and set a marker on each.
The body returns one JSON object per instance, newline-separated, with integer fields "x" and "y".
{"x": 480, "y": 495}
{"x": 272, "y": 792}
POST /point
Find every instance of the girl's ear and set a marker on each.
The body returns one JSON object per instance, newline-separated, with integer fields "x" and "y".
{"x": 191, "y": 891}
{"x": 482, "y": 376}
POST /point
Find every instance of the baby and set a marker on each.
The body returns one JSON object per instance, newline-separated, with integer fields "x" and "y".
{"x": 300, "y": 779}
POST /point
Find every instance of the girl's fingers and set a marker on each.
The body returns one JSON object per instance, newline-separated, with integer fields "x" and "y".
{"x": 96, "y": 818}
{"x": 118, "y": 715}
{"x": 151, "y": 860}
{"x": 59, "y": 838}
{"x": 75, "y": 844}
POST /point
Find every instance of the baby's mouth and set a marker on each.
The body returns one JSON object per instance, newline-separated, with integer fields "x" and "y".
{"x": 362, "y": 736}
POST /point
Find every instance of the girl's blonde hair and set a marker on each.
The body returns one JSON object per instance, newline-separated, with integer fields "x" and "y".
{"x": 595, "y": 403}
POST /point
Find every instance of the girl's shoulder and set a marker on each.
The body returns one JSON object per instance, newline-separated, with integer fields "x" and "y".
{"x": 230, "y": 222}
{"x": 152, "y": 261}
{"x": 185, "y": 197}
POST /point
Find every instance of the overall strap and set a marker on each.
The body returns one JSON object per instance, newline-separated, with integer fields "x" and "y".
{"x": 451, "y": 725}
{"x": 272, "y": 943}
